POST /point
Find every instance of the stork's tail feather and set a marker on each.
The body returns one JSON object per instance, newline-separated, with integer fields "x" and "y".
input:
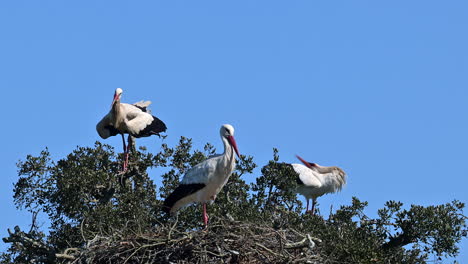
{"x": 179, "y": 193}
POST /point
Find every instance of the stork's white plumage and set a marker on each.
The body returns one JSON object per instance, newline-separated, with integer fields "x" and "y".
{"x": 315, "y": 180}
{"x": 132, "y": 119}
{"x": 205, "y": 180}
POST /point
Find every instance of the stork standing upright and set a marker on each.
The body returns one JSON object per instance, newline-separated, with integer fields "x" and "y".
{"x": 315, "y": 180}
{"x": 132, "y": 119}
{"x": 205, "y": 180}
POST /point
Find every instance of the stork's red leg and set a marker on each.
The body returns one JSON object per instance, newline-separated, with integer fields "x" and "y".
{"x": 307, "y": 206}
{"x": 205, "y": 215}
{"x": 124, "y": 167}
{"x": 127, "y": 151}
{"x": 126, "y": 160}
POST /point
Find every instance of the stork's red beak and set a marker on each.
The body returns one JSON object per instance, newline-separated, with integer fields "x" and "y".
{"x": 232, "y": 141}
{"x": 308, "y": 164}
{"x": 116, "y": 97}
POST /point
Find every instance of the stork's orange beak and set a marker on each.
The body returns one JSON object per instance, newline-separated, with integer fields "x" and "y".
{"x": 116, "y": 97}
{"x": 233, "y": 143}
{"x": 308, "y": 164}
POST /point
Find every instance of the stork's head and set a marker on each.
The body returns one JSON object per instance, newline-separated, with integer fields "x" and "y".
{"x": 309, "y": 165}
{"x": 227, "y": 132}
{"x": 117, "y": 94}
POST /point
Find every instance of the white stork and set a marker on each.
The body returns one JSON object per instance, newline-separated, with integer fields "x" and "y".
{"x": 314, "y": 180}
{"x": 205, "y": 180}
{"x": 132, "y": 119}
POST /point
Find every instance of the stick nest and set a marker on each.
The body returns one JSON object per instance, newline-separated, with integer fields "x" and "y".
{"x": 224, "y": 241}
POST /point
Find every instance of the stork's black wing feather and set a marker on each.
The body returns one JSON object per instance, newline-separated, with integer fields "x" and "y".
{"x": 156, "y": 127}
{"x": 180, "y": 192}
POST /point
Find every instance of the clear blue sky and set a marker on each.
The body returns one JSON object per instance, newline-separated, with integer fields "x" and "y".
{"x": 379, "y": 88}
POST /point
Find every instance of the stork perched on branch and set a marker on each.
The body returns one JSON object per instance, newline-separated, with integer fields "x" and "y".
{"x": 132, "y": 119}
{"x": 205, "y": 180}
{"x": 314, "y": 180}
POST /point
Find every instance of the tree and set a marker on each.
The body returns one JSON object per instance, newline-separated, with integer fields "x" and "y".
{"x": 98, "y": 214}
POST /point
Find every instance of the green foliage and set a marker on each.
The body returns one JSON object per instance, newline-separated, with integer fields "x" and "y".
{"x": 275, "y": 188}
{"x": 84, "y": 194}
{"x": 90, "y": 204}
{"x": 437, "y": 229}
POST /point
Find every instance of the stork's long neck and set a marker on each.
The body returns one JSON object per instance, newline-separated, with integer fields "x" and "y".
{"x": 116, "y": 111}
{"x": 116, "y": 106}
{"x": 323, "y": 169}
{"x": 228, "y": 155}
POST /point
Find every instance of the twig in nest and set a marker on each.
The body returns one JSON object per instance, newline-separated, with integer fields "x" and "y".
{"x": 307, "y": 241}
{"x": 172, "y": 228}
{"x": 212, "y": 253}
{"x": 267, "y": 249}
